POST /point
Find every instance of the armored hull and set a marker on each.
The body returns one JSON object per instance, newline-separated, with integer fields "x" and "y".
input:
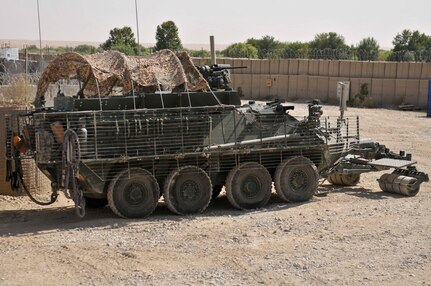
{"x": 129, "y": 150}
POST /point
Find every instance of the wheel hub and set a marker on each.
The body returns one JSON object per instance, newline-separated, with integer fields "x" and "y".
{"x": 189, "y": 191}
{"x": 251, "y": 187}
{"x": 298, "y": 181}
{"x": 135, "y": 194}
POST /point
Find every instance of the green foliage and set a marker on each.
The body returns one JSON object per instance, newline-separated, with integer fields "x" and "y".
{"x": 411, "y": 41}
{"x": 329, "y": 40}
{"x": 330, "y": 45}
{"x": 125, "y": 49}
{"x": 363, "y": 99}
{"x": 384, "y": 55}
{"x": 119, "y": 37}
{"x": 80, "y": 49}
{"x": 368, "y": 50}
{"x": 140, "y": 50}
{"x": 32, "y": 49}
{"x": 167, "y": 37}
{"x": 199, "y": 53}
{"x": 267, "y": 46}
{"x": 411, "y": 46}
{"x": 241, "y": 50}
{"x": 295, "y": 50}
{"x": 84, "y": 49}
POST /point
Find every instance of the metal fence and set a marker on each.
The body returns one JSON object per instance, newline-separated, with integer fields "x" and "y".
{"x": 343, "y": 54}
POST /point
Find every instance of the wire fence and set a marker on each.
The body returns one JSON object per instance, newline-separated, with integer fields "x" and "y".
{"x": 11, "y": 71}
{"x": 337, "y": 54}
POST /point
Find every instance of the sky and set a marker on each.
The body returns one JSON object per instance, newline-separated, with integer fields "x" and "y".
{"x": 230, "y": 21}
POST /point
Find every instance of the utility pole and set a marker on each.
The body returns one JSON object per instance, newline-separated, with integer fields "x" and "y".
{"x": 137, "y": 27}
{"x": 40, "y": 39}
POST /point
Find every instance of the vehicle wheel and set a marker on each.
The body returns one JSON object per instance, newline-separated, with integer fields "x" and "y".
{"x": 187, "y": 190}
{"x": 248, "y": 186}
{"x": 296, "y": 179}
{"x": 344, "y": 179}
{"x": 216, "y": 191}
{"x": 133, "y": 193}
{"x": 93, "y": 203}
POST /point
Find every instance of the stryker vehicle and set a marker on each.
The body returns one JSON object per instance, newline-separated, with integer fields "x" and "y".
{"x": 177, "y": 130}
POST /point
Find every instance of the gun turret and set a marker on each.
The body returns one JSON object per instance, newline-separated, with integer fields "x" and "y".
{"x": 218, "y": 75}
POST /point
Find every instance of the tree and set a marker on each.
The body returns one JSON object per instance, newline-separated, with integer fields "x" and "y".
{"x": 411, "y": 46}
{"x": 329, "y": 46}
{"x": 241, "y": 50}
{"x": 167, "y": 37}
{"x": 84, "y": 49}
{"x": 125, "y": 49}
{"x": 267, "y": 46}
{"x": 368, "y": 49}
{"x": 119, "y": 37}
{"x": 32, "y": 48}
{"x": 295, "y": 50}
{"x": 199, "y": 53}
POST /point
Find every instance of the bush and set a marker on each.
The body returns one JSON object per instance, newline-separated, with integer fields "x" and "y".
{"x": 19, "y": 92}
{"x": 363, "y": 99}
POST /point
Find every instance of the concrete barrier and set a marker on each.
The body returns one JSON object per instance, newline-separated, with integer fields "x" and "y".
{"x": 324, "y": 68}
{"x": 415, "y": 70}
{"x": 389, "y": 83}
{"x": 284, "y": 67}
{"x": 313, "y": 67}
{"x": 390, "y": 70}
{"x": 402, "y": 70}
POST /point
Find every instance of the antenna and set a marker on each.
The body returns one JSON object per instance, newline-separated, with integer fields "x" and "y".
{"x": 137, "y": 27}
{"x": 40, "y": 38}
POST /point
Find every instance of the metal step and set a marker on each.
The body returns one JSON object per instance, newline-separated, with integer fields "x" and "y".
{"x": 392, "y": 163}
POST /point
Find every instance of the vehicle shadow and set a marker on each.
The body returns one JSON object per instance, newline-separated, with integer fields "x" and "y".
{"x": 54, "y": 219}
{"x": 357, "y": 191}
{"x": 57, "y": 219}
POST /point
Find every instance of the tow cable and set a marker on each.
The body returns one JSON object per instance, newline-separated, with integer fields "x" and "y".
{"x": 71, "y": 157}
{"x": 16, "y": 181}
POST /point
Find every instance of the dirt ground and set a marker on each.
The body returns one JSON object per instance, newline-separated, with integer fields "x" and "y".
{"x": 344, "y": 236}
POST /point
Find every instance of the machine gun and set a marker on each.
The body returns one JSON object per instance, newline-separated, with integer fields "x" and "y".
{"x": 218, "y": 75}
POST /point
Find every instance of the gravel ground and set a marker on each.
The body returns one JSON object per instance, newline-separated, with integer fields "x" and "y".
{"x": 343, "y": 236}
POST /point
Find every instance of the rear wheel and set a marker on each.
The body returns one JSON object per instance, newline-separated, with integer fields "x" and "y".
{"x": 248, "y": 186}
{"x": 133, "y": 193}
{"x": 344, "y": 179}
{"x": 296, "y": 179}
{"x": 187, "y": 190}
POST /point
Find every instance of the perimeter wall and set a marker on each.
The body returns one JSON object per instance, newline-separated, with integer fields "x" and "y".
{"x": 389, "y": 83}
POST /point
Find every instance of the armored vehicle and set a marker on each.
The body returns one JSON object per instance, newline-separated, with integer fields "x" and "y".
{"x": 140, "y": 128}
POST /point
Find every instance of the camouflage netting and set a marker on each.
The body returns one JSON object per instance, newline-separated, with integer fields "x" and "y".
{"x": 102, "y": 72}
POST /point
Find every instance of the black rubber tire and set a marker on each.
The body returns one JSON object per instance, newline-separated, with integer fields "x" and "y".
{"x": 248, "y": 186}
{"x": 187, "y": 190}
{"x": 133, "y": 193}
{"x": 93, "y": 203}
{"x": 216, "y": 191}
{"x": 344, "y": 179}
{"x": 296, "y": 179}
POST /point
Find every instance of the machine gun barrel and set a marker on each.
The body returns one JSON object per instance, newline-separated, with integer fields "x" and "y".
{"x": 220, "y": 67}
